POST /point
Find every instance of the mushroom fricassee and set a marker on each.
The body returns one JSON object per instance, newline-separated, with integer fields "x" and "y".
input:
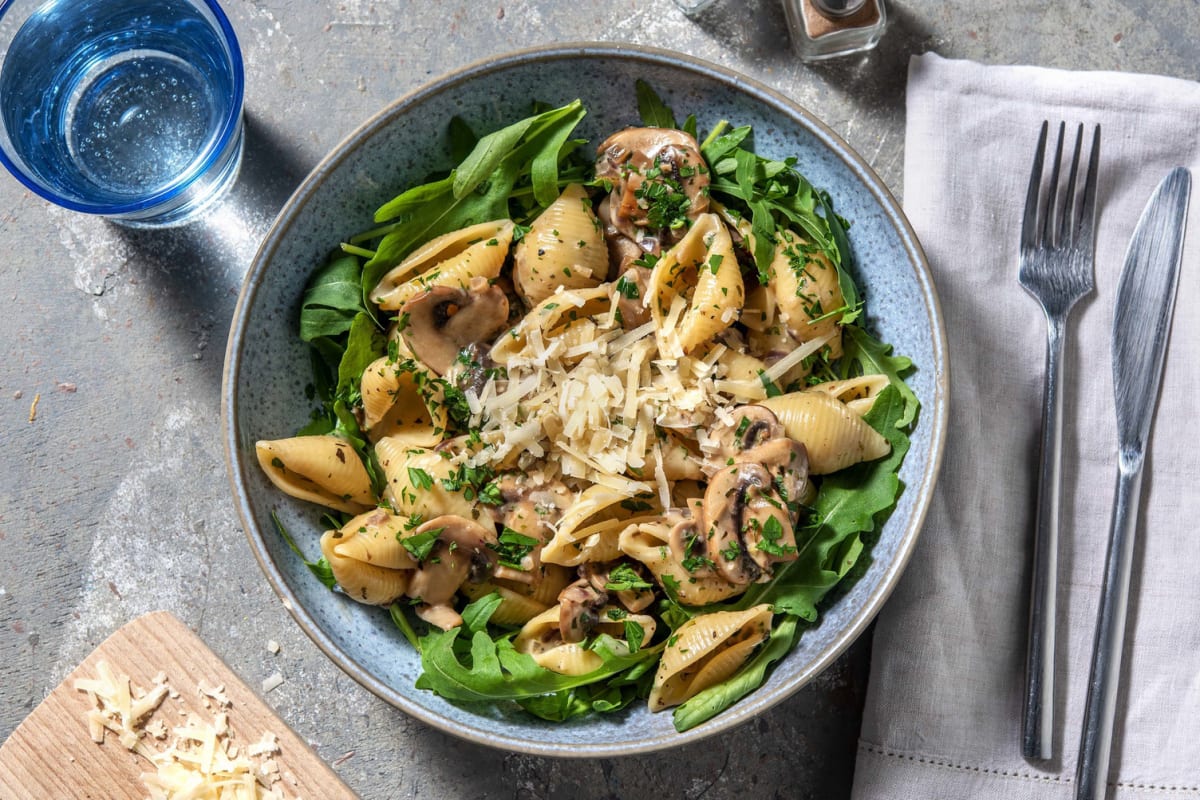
{"x": 590, "y": 408}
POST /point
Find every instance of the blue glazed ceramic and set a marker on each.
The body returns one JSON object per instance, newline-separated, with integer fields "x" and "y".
{"x": 267, "y": 367}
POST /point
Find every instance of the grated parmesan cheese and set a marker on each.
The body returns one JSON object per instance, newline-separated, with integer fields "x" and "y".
{"x": 201, "y": 762}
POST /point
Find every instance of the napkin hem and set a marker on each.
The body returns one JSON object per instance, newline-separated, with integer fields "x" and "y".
{"x": 913, "y": 769}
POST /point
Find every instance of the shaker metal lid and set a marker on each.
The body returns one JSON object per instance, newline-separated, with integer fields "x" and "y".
{"x": 838, "y": 8}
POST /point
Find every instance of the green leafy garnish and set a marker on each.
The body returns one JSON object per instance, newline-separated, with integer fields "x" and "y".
{"x": 624, "y": 578}
{"x": 420, "y": 545}
{"x": 512, "y": 547}
{"x": 320, "y": 567}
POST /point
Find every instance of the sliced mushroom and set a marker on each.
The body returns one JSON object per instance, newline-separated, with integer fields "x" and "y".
{"x": 460, "y": 553}
{"x": 748, "y": 526}
{"x": 579, "y": 610}
{"x": 787, "y": 461}
{"x": 444, "y": 319}
{"x": 632, "y": 599}
{"x": 622, "y": 251}
{"x": 633, "y": 157}
{"x": 751, "y": 426}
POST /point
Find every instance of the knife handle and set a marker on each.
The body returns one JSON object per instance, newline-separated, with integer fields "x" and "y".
{"x": 1037, "y": 729}
{"x": 1091, "y": 776}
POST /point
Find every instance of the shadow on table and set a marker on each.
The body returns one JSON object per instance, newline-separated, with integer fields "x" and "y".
{"x": 198, "y": 268}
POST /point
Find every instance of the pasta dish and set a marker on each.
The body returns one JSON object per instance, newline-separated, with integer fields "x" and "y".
{"x": 584, "y": 437}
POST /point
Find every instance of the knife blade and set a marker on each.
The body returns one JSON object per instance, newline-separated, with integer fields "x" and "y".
{"x": 1144, "y": 306}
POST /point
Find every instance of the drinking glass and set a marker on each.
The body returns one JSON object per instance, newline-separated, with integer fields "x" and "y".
{"x": 130, "y": 109}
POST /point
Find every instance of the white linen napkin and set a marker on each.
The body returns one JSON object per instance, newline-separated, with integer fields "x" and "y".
{"x": 943, "y": 712}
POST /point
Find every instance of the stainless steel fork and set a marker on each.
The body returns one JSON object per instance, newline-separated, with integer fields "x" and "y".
{"x": 1056, "y": 267}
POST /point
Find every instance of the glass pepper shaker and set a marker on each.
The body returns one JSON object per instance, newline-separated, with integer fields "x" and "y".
{"x": 823, "y": 29}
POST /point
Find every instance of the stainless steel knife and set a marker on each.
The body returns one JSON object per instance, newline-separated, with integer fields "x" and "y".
{"x": 1145, "y": 302}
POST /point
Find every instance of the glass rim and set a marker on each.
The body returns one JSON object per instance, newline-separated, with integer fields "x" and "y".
{"x": 229, "y": 130}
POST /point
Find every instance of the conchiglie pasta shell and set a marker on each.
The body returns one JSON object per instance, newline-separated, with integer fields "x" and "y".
{"x": 597, "y": 512}
{"x": 451, "y": 259}
{"x": 806, "y": 288}
{"x": 834, "y": 436}
{"x": 394, "y": 406}
{"x": 649, "y": 544}
{"x": 700, "y": 640}
{"x": 374, "y": 538}
{"x": 564, "y": 247}
{"x": 857, "y": 393}
{"x": 702, "y": 268}
{"x": 366, "y": 583}
{"x": 514, "y": 609}
{"x": 405, "y": 466}
{"x": 551, "y": 319}
{"x": 320, "y": 469}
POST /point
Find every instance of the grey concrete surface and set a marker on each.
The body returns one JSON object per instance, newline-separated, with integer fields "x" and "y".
{"x": 114, "y": 501}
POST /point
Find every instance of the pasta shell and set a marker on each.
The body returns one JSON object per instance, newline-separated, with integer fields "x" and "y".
{"x": 367, "y": 583}
{"x": 514, "y": 609}
{"x": 541, "y": 639}
{"x": 552, "y": 319}
{"x": 414, "y": 481}
{"x": 806, "y": 288}
{"x": 394, "y": 406}
{"x": 589, "y": 530}
{"x": 320, "y": 469}
{"x": 706, "y": 650}
{"x": 451, "y": 259}
{"x": 834, "y": 436}
{"x": 564, "y": 247}
{"x": 374, "y": 537}
{"x": 649, "y": 544}
{"x": 703, "y": 270}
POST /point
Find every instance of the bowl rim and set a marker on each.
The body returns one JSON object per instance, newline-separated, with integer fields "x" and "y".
{"x": 935, "y": 414}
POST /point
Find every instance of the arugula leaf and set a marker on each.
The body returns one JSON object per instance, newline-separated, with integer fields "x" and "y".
{"x": 491, "y": 670}
{"x": 624, "y": 578}
{"x": 320, "y": 567}
{"x": 461, "y": 138}
{"x": 365, "y": 344}
{"x": 653, "y": 111}
{"x": 400, "y": 620}
{"x": 848, "y": 504}
{"x": 715, "y": 699}
{"x": 868, "y": 356}
{"x": 850, "y": 294}
{"x": 332, "y": 300}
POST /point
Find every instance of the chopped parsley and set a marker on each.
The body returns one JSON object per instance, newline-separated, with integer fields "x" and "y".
{"x": 624, "y": 579}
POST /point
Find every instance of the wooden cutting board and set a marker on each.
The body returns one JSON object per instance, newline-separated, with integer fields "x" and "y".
{"x": 52, "y": 755}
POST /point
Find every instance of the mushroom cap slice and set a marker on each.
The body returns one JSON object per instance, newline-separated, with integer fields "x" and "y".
{"x": 749, "y": 527}
{"x": 460, "y": 551}
{"x": 443, "y": 320}
{"x": 579, "y": 610}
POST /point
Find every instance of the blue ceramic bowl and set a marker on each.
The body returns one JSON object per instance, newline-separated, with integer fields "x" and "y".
{"x": 267, "y": 366}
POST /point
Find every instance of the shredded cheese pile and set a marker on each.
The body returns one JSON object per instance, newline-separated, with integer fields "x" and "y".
{"x": 201, "y": 762}
{"x": 599, "y": 397}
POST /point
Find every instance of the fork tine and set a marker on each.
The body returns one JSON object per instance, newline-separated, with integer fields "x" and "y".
{"x": 1029, "y": 220}
{"x": 1087, "y": 211}
{"x": 1068, "y": 220}
{"x": 1052, "y": 192}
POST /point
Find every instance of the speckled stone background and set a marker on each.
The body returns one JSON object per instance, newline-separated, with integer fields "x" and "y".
{"x": 114, "y": 500}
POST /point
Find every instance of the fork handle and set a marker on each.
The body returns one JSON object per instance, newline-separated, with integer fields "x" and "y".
{"x": 1091, "y": 778}
{"x": 1037, "y": 735}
